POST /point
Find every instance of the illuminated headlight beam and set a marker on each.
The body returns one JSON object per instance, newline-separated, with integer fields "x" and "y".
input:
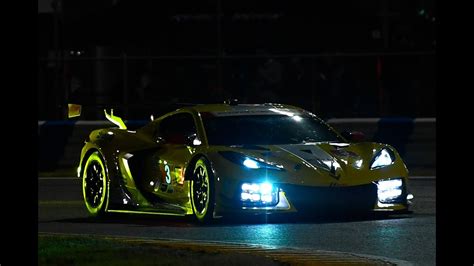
{"x": 389, "y": 184}
{"x": 382, "y": 159}
{"x": 388, "y": 190}
{"x": 249, "y": 163}
{"x": 266, "y": 188}
{"x": 259, "y": 193}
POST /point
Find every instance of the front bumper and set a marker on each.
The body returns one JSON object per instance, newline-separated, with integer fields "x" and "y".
{"x": 317, "y": 200}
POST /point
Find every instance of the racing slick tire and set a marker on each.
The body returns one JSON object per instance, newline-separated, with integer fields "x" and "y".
{"x": 202, "y": 191}
{"x": 95, "y": 185}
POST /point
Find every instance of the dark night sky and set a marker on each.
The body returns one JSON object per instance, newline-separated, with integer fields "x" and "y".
{"x": 119, "y": 28}
{"x": 190, "y": 27}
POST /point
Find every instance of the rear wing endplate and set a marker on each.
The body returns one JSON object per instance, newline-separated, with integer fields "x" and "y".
{"x": 73, "y": 110}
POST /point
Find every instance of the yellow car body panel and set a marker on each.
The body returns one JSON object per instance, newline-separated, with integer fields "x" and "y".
{"x": 141, "y": 166}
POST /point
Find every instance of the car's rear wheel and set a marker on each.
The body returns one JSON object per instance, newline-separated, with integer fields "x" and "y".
{"x": 94, "y": 185}
{"x": 202, "y": 191}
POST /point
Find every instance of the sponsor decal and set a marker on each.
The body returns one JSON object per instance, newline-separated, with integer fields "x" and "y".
{"x": 179, "y": 175}
{"x": 166, "y": 184}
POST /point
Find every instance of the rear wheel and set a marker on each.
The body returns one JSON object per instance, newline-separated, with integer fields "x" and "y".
{"x": 202, "y": 191}
{"x": 94, "y": 185}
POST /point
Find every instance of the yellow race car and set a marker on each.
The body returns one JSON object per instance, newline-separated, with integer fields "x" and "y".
{"x": 220, "y": 159}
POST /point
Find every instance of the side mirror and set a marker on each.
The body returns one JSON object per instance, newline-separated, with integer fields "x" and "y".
{"x": 192, "y": 140}
{"x": 354, "y": 136}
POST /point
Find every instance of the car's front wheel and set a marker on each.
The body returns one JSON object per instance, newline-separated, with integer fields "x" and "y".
{"x": 202, "y": 191}
{"x": 94, "y": 185}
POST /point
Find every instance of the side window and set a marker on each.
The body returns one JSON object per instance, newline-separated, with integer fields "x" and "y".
{"x": 176, "y": 128}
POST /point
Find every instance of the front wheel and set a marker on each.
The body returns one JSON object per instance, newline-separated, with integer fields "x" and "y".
{"x": 202, "y": 191}
{"x": 94, "y": 185}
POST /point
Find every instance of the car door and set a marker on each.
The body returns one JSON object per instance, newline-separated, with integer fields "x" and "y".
{"x": 167, "y": 183}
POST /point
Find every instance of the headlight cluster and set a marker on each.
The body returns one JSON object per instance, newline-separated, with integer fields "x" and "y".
{"x": 389, "y": 191}
{"x": 257, "y": 164}
{"x": 259, "y": 194}
{"x": 383, "y": 158}
{"x": 248, "y": 162}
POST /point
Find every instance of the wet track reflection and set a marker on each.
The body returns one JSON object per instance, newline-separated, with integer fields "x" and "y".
{"x": 409, "y": 237}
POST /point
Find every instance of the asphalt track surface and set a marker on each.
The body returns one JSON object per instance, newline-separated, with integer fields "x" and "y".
{"x": 401, "y": 238}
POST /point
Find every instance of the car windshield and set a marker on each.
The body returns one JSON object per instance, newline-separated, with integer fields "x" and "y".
{"x": 266, "y": 130}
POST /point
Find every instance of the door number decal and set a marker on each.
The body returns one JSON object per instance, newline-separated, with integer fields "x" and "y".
{"x": 168, "y": 174}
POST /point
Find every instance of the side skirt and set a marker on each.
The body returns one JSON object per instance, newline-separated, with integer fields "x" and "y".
{"x": 146, "y": 212}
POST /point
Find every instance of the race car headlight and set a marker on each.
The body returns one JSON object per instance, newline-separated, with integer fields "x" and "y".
{"x": 258, "y": 194}
{"x": 389, "y": 190}
{"x": 254, "y": 164}
{"x": 383, "y": 158}
{"x": 248, "y": 162}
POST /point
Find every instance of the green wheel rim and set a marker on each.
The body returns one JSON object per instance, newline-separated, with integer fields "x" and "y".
{"x": 94, "y": 184}
{"x": 200, "y": 189}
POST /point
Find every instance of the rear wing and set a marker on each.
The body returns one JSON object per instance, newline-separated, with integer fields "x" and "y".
{"x": 74, "y": 110}
{"x": 115, "y": 119}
